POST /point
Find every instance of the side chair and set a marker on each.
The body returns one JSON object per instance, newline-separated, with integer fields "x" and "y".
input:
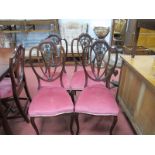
{"x": 53, "y": 99}
{"x": 97, "y": 99}
{"x": 12, "y": 87}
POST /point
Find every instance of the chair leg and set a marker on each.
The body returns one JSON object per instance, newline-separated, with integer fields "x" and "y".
{"x": 113, "y": 124}
{"x": 71, "y": 124}
{"x": 5, "y": 124}
{"x": 34, "y": 125}
{"x": 77, "y": 123}
{"x": 21, "y": 110}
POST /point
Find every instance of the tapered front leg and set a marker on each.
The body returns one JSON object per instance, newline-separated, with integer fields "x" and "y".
{"x": 113, "y": 124}
{"x": 77, "y": 123}
{"x": 34, "y": 125}
{"x": 5, "y": 124}
{"x": 71, "y": 124}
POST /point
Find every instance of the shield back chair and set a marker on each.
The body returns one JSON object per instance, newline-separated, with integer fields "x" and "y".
{"x": 11, "y": 88}
{"x": 77, "y": 46}
{"x": 50, "y": 100}
{"x": 97, "y": 99}
{"x": 57, "y": 41}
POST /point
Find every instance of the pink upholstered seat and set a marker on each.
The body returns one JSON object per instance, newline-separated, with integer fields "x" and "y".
{"x": 78, "y": 80}
{"x": 52, "y": 98}
{"x": 50, "y": 102}
{"x": 6, "y": 88}
{"x": 57, "y": 83}
{"x": 97, "y": 100}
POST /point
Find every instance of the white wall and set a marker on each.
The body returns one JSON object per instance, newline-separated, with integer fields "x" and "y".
{"x": 91, "y": 23}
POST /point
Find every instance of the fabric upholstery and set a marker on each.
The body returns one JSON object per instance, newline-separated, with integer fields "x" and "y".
{"x": 97, "y": 100}
{"x": 56, "y": 83}
{"x": 50, "y": 102}
{"x": 78, "y": 81}
{"x": 6, "y": 88}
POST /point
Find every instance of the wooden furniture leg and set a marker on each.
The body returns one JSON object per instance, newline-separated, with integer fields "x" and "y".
{"x": 5, "y": 122}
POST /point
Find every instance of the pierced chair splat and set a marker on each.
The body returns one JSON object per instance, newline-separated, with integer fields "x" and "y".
{"x": 50, "y": 100}
{"x": 97, "y": 99}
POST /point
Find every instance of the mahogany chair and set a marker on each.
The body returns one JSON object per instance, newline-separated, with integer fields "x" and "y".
{"x": 11, "y": 88}
{"x": 97, "y": 99}
{"x": 57, "y": 41}
{"x": 53, "y": 99}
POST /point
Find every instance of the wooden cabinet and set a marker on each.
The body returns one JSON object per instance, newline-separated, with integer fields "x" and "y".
{"x": 15, "y": 27}
{"x": 10, "y": 26}
{"x": 146, "y": 38}
{"x": 146, "y": 24}
{"x": 136, "y": 93}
